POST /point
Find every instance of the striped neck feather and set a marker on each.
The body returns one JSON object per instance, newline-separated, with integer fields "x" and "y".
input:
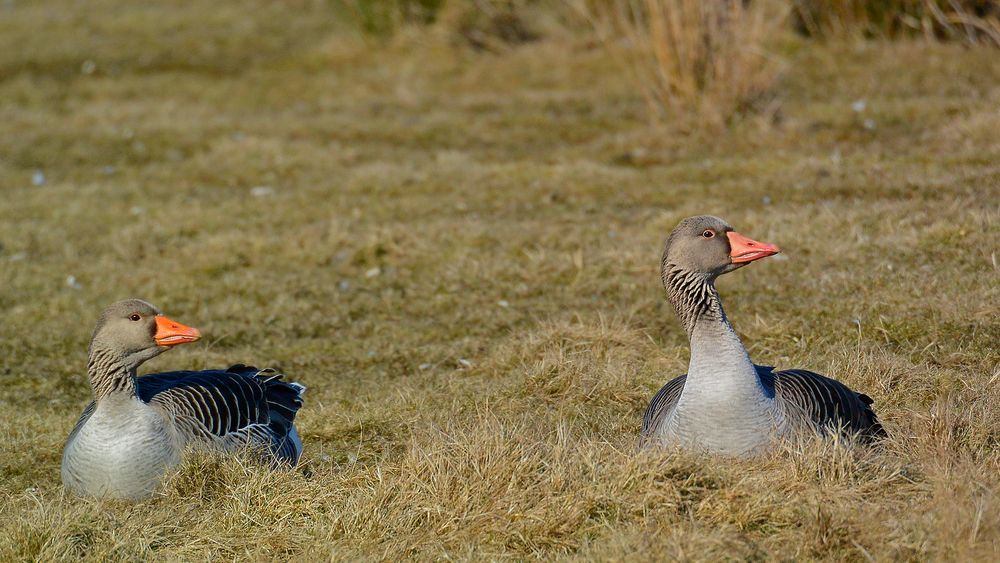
{"x": 720, "y": 367}
{"x": 693, "y": 296}
{"x": 108, "y": 374}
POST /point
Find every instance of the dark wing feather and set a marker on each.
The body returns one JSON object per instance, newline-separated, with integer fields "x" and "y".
{"x": 84, "y": 417}
{"x": 213, "y": 397}
{"x": 828, "y": 403}
{"x": 240, "y": 404}
{"x": 662, "y": 404}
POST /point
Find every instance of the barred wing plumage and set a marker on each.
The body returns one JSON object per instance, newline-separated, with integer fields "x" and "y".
{"x": 828, "y": 403}
{"x": 241, "y": 406}
{"x": 662, "y": 404}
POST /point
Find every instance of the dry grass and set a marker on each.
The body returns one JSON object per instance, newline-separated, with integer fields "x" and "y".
{"x": 458, "y": 257}
{"x": 969, "y": 21}
{"x": 693, "y": 60}
{"x": 882, "y": 18}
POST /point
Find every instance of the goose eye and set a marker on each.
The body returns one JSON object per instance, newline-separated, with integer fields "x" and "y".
{"x": 135, "y": 317}
{"x": 709, "y": 233}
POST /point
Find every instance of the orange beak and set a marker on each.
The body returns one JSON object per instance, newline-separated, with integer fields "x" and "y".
{"x": 171, "y": 333}
{"x": 747, "y": 250}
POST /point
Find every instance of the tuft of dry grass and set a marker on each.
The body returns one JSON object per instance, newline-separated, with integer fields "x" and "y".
{"x": 383, "y": 18}
{"x": 457, "y": 254}
{"x": 969, "y": 21}
{"x": 692, "y": 60}
{"x": 493, "y": 25}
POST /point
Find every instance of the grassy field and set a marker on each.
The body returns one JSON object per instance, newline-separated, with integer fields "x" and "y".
{"x": 457, "y": 253}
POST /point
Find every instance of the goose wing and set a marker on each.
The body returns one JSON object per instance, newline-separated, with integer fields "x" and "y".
{"x": 241, "y": 406}
{"x": 662, "y": 405}
{"x": 826, "y": 403}
{"x": 84, "y": 417}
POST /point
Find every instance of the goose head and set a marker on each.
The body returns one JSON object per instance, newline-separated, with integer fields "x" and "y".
{"x": 708, "y": 247}
{"x": 136, "y": 331}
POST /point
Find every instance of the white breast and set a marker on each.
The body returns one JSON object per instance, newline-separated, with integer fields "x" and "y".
{"x": 121, "y": 451}
{"x": 723, "y": 407}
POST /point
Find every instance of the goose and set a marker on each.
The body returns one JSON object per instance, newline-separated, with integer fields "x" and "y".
{"x": 725, "y": 403}
{"x": 137, "y": 428}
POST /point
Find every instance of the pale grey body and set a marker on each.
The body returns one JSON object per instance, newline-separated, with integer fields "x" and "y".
{"x": 121, "y": 450}
{"x": 726, "y": 404}
{"x": 137, "y": 428}
{"x": 723, "y": 406}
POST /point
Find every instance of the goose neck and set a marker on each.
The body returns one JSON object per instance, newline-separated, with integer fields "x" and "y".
{"x": 720, "y": 366}
{"x": 109, "y": 374}
{"x": 694, "y": 297}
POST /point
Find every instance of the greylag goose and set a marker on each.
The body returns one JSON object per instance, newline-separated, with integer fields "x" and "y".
{"x": 138, "y": 427}
{"x": 726, "y": 404}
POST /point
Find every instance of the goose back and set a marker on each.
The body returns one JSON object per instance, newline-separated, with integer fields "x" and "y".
{"x": 826, "y": 403}
{"x": 241, "y": 406}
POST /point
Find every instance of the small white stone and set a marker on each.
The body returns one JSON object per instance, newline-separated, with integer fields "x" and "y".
{"x": 503, "y": 303}
{"x": 88, "y": 67}
{"x": 71, "y": 282}
{"x": 464, "y": 363}
{"x": 261, "y": 191}
{"x": 424, "y": 367}
{"x": 38, "y": 178}
{"x": 373, "y": 272}
{"x": 859, "y": 105}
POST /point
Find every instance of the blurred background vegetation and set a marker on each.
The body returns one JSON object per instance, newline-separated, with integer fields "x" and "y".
{"x": 705, "y": 62}
{"x": 716, "y": 58}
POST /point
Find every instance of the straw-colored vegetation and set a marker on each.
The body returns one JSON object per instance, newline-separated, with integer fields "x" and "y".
{"x": 456, "y": 251}
{"x": 970, "y": 21}
{"x": 694, "y": 61}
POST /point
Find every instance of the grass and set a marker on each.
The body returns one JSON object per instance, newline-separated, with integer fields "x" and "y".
{"x": 458, "y": 257}
{"x": 696, "y": 62}
{"x": 969, "y": 21}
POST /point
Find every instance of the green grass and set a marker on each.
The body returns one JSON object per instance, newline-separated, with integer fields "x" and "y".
{"x": 415, "y": 188}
